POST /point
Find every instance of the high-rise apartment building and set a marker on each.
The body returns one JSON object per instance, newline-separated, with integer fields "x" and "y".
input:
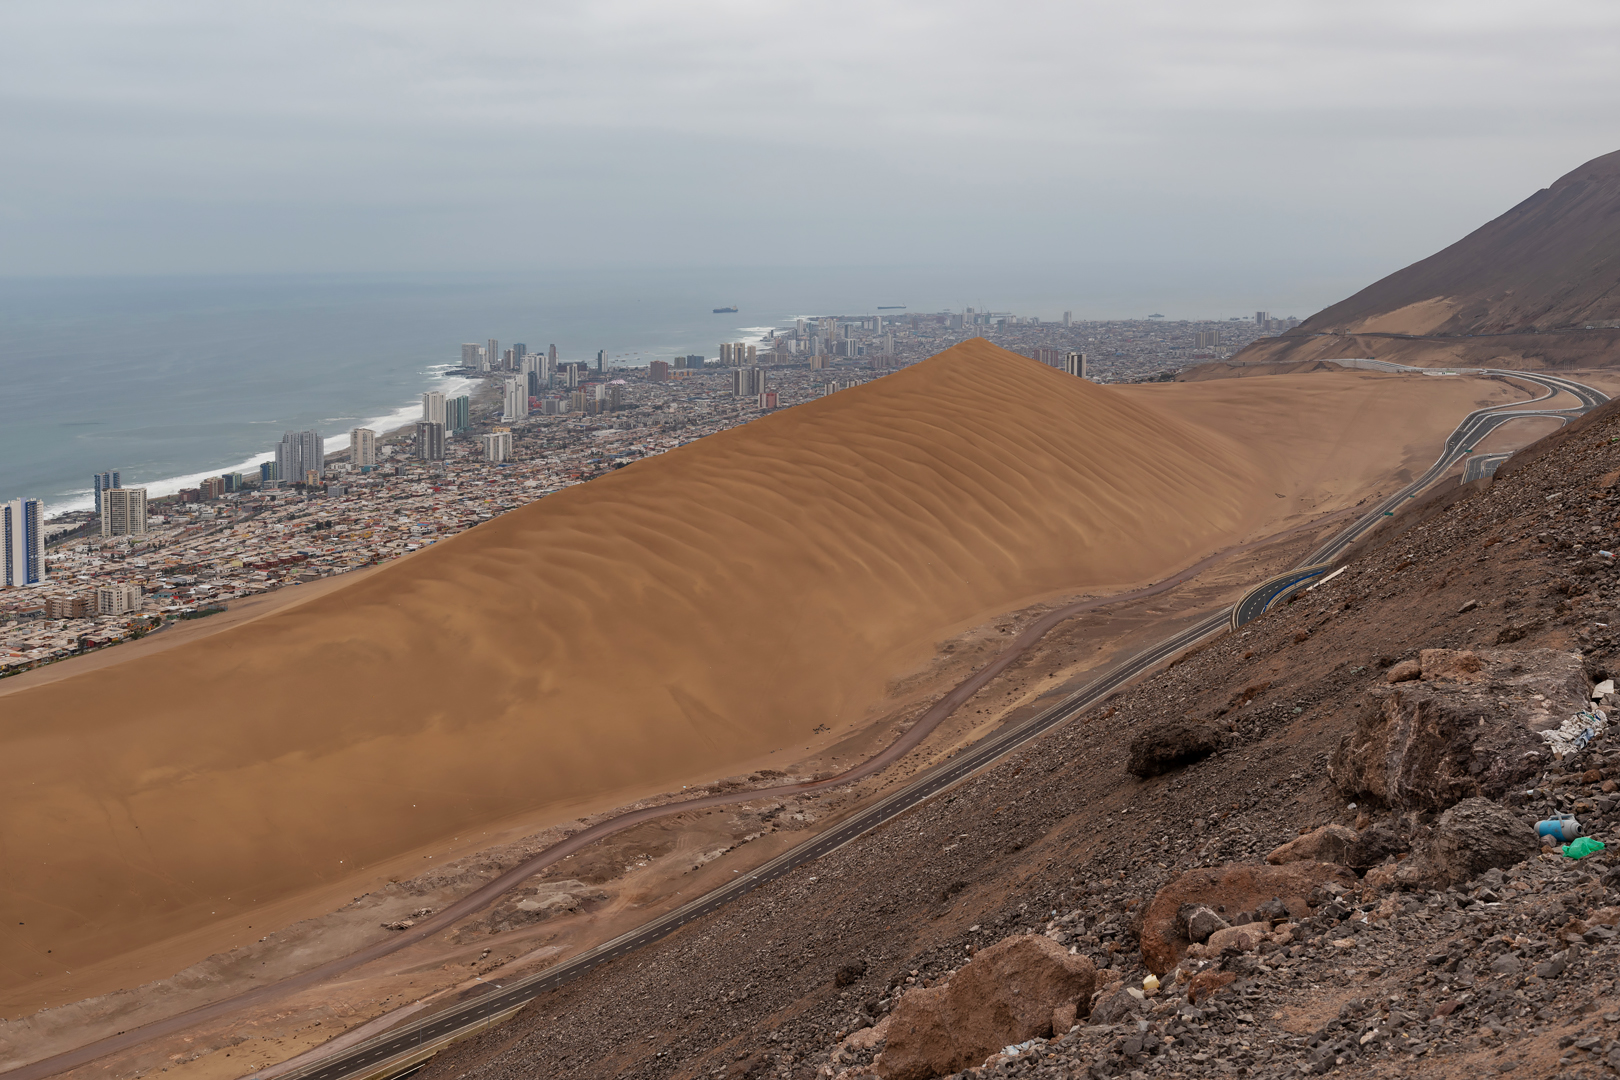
{"x": 433, "y": 407}
{"x": 362, "y": 447}
{"x": 519, "y": 351}
{"x": 120, "y": 599}
{"x": 601, "y": 360}
{"x": 22, "y": 542}
{"x": 615, "y": 396}
{"x": 470, "y": 354}
{"x": 269, "y": 472}
{"x": 300, "y": 452}
{"x": 233, "y": 482}
{"x": 492, "y": 353}
{"x": 458, "y": 414}
{"x": 211, "y": 488}
{"x": 515, "y": 399}
{"x": 1261, "y": 318}
{"x": 123, "y": 512}
{"x": 1209, "y": 339}
{"x": 498, "y": 445}
{"x": 573, "y": 375}
{"x": 658, "y": 371}
{"x": 747, "y": 382}
{"x": 1049, "y": 357}
{"x": 888, "y": 343}
{"x": 1075, "y": 364}
{"x": 768, "y": 400}
{"x": 1068, "y": 318}
{"x": 576, "y": 401}
{"x": 725, "y": 354}
{"x": 551, "y": 354}
{"x": 429, "y": 441}
{"x": 102, "y": 482}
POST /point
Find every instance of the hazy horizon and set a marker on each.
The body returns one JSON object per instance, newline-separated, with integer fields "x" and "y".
{"x": 1237, "y": 140}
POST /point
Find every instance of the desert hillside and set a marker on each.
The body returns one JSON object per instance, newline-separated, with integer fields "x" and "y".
{"x": 627, "y": 636}
{"x": 1538, "y": 287}
{"x": 1550, "y": 263}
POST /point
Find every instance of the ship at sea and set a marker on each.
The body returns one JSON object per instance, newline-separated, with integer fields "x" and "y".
{"x": 891, "y": 307}
{"x": 724, "y": 310}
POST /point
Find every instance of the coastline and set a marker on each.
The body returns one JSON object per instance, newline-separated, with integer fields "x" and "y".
{"x": 447, "y": 380}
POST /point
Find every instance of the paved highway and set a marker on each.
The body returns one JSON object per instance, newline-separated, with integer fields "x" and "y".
{"x": 1459, "y": 444}
{"x": 1257, "y": 600}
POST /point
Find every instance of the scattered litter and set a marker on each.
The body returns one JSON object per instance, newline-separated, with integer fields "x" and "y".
{"x": 1604, "y": 688}
{"x": 1583, "y": 847}
{"x": 1573, "y": 734}
{"x": 1018, "y": 1048}
{"x": 1150, "y": 985}
{"x": 1607, "y": 554}
{"x": 1563, "y": 827}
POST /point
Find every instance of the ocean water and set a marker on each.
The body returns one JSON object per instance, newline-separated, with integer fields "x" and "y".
{"x": 171, "y": 379}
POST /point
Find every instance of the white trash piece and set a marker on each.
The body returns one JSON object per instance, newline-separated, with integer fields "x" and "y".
{"x": 1573, "y": 734}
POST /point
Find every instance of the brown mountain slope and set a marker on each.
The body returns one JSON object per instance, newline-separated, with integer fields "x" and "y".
{"x": 1551, "y": 262}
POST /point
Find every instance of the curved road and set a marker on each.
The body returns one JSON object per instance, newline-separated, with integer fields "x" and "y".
{"x": 402, "y": 1043}
{"x": 1459, "y": 444}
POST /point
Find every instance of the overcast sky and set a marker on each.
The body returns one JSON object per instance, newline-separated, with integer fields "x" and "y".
{"x": 187, "y": 136}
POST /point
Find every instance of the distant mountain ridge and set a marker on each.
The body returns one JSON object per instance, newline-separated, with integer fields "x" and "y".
{"x": 1550, "y": 263}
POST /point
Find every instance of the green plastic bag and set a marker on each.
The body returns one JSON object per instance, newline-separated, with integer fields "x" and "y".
{"x": 1582, "y": 847}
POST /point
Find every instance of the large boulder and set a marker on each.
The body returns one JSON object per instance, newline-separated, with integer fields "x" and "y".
{"x": 1171, "y": 745}
{"x": 1330, "y": 843}
{"x": 1006, "y": 994}
{"x": 1196, "y": 922}
{"x": 1469, "y": 727}
{"x": 1469, "y": 839}
{"x": 1245, "y": 938}
{"x": 1373, "y": 845}
{"x": 1239, "y": 887}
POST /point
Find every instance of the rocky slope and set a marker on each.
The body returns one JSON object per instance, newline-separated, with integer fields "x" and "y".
{"x": 1373, "y": 738}
{"x": 1553, "y": 261}
{"x": 1540, "y": 283}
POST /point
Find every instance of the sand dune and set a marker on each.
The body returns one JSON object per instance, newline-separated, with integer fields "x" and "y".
{"x": 693, "y": 610}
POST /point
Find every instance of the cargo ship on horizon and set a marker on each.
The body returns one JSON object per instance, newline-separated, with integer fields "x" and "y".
{"x": 724, "y": 310}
